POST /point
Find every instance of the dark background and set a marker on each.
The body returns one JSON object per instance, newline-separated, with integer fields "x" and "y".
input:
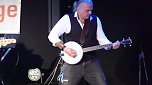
{"x": 120, "y": 19}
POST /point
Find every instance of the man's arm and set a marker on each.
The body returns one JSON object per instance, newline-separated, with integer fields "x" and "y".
{"x": 60, "y": 45}
{"x": 62, "y": 26}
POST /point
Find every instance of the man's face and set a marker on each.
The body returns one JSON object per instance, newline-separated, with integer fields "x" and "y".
{"x": 84, "y": 10}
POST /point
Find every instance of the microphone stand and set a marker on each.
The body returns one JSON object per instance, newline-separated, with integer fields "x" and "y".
{"x": 2, "y": 58}
{"x": 142, "y": 60}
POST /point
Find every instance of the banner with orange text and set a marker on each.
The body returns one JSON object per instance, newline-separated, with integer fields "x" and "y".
{"x": 10, "y": 16}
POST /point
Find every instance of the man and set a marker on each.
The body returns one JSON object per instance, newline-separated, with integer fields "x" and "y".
{"x": 72, "y": 26}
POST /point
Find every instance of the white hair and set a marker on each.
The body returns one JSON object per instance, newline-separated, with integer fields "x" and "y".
{"x": 76, "y": 4}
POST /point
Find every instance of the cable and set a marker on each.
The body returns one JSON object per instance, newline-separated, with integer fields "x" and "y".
{"x": 52, "y": 75}
{"x": 18, "y": 58}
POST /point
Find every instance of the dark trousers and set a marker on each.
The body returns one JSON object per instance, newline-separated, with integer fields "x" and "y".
{"x": 90, "y": 70}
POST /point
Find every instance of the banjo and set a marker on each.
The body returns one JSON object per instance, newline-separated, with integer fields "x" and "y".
{"x": 79, "y": 50}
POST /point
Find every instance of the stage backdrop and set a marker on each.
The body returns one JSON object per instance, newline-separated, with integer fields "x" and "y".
{"x": 119, "y": 18}
{"x": 10, "y": 16}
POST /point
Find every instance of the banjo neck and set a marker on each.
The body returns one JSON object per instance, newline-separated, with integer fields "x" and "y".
{"x": 97, "y": 47}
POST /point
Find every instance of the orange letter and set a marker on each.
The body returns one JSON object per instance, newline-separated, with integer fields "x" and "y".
{"x": 2, "y": 10}
{"x": 12, "y": 11}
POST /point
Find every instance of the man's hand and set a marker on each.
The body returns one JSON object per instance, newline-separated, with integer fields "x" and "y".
{"x": 70, "y": 52}
{"x": 116, "y": 45}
